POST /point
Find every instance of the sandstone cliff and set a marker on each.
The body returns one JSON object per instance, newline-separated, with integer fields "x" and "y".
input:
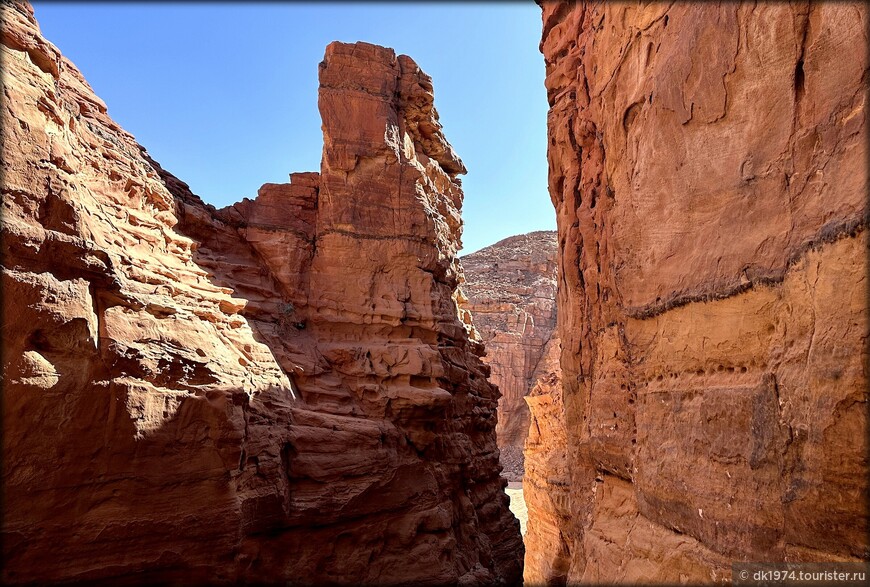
{"x": 708, "y": 165}
{"x": 279, "y": 391}
{"x": 511, "y": 291}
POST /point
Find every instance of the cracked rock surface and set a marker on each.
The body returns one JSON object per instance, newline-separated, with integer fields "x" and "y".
{"x": 708, "y": 169}
{"x": 282, "y": 390}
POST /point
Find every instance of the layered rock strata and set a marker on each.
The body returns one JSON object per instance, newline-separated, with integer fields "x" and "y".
{"x": 511, "y": 292}
{"x": 279, "y": 391}
{"x": 708, "y": 168}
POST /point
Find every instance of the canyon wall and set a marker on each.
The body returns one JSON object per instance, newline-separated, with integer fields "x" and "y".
{"x": 708, "y": 165}
{"x": 279, "y": 391}
{"x": 511, "y": 293}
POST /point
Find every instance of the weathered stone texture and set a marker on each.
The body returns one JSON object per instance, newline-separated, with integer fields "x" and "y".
{"x": 279, "y": 391}
{"x": 546, "y": 479}
{"x": 511, "y": 291}
{"x": 708, "y": 168}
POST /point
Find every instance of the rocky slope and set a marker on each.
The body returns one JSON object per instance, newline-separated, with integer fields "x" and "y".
{"x": 282, "y": 390}
{"x": 511, "y": 292}
{"x": 708, "y": 168}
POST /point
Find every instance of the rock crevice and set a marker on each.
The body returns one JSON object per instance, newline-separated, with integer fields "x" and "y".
{"x": 511, "y": 293}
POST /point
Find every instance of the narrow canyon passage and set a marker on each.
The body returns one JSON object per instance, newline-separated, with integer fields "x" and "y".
{"x": 312, "y": 387}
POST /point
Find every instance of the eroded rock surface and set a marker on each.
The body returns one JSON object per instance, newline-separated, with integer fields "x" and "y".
{"x": 279, "y": 391}
{"x": 511, "y": 291}
{"x": 708, "y": 168}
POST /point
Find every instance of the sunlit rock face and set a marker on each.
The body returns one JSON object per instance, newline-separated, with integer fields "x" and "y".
{"x": 281, "y": 391}
{"x": 511, "y": 291}
{"x": 708, "y": 165}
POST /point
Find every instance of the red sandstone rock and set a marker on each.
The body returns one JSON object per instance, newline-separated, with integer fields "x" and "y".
{"x": 511, "y": 291}
{"x": 708, "y": 168}
{"x": 547, "y": 479}
{"x": 279, "y": 391}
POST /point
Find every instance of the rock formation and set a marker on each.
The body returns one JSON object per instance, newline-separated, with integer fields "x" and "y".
{"x": 511, "y": 291}
{"x": 279, "y": 391}
{"x": 708, "y": 165}
{"x": 546, "y": 479}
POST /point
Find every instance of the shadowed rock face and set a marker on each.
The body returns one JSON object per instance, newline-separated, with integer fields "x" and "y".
{"x": 708, "y": 168}
{"x": 278, "y": 391}
{"x": 511, "y": 291}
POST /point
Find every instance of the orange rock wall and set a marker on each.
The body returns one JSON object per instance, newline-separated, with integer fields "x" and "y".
{"x": 279, "y": 391}
{"x": 708, "y": 168}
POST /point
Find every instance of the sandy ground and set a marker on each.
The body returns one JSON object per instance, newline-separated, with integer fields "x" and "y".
{"x": 518, "y": 504}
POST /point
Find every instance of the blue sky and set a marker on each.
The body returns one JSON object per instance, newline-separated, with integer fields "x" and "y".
{"x": 224, "y": 95}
